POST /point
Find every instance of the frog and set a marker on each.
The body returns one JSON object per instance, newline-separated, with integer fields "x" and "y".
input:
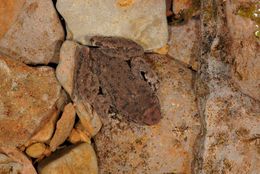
{"x": 113, "y": 76}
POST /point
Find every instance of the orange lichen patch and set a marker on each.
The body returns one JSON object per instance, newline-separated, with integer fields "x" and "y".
{"x": 125, "y": 3}
{"x": 163, "y": 50}
{"x": 9, "y": 11}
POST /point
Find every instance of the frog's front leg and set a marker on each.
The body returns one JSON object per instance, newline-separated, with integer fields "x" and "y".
{"x": 142, "y": 70}
{"x": 117, "y": 47}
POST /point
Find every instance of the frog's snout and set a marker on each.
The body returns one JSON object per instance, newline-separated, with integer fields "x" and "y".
{"x": 152, "y": 115}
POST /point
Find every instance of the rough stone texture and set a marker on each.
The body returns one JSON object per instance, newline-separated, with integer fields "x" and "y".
{"x": 88, "y": 118}
{"x": 64, "y": 126}
{"x": 65, "y": 69}
{"x": 80, "y": 159}
{"x": 12, "y": 161}
{"x": 245, "y": 51}
{"x": 184, "y": 43}
{"x": 33, "y": 34}
{"x": 179, "y": 5}
{"x": 28, "y": 100}
{"x": 9, "y": 11}
{"x": 230, "y": 137}
{"x": 36, "y": 150}
{"x": 139, "y": 20}
{"x": 46, "y": 132}
{"x": 125, "y": 147}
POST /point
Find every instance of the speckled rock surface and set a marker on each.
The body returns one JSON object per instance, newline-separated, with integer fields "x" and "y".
{"x": 66, "y": 66}
{"x": 179, "y": 5}
{"x": 28, "y": 100}
{"x": 143, "y": 21}
{"x": 63, "y": 127}
{"x": 79, "y": 159}
{"x": 184, "y": 43}
{"x": 244, "y": 51}
{"x": 125, "y": 147}
{"x": 12, "y": 161}
{"x": 231, "y": 119}
{"x": 32, "y": 32}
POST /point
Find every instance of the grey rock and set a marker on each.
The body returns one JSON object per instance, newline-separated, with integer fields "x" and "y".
{"x": 142, "y": 21}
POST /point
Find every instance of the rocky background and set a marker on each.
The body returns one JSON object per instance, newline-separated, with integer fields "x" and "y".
{"x": 206, "y": 55}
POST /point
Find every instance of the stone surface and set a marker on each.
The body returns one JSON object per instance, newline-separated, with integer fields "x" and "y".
{"x": 244, "y": 51}
{"x": 32, "y": 32}
{"x": 46, "y": 132}
{"x": 138, "y": 20}
{"x": 88, "y": 118}
{"x": 184, "y": 44}
{"x": 36, "y": 150}
{"x": 179, "y": 5}
{"x": 78, "y": 159}
{"x": 125, "y": 147}
{"x": 9, "y": 10}
{"x": 64, "y": 127}
{"x": 28, "y": 100}
{"x": 65, "y": 69}
{"x": 230, "y": 137}
{"x": 12, "y": 161}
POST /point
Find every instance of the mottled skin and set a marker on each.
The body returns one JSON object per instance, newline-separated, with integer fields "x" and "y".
{"x": 113, "y": 76}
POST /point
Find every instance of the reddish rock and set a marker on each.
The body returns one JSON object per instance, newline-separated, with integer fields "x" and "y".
{"x": 31, "y": 32}
{"x": 28, "y": 100}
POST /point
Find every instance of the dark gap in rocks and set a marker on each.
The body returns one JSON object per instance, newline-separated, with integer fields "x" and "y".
{"x": 129, "y": 63}
{"x": 100, "y": 91}
{"x": 53, "y": 65}
{"x": 143, "y": 76}
{"x": 63, "y": 23}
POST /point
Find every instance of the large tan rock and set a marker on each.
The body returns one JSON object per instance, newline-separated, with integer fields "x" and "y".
{"x": 12, "y": 161}
{"x": 32, "y": 32}
{"x": 244, "y": 49}
{"x": 28, "y": 100}
{"x": 79, "y": 159}
{"x": 125, "y": 147}
{"x": 139, "y": 20}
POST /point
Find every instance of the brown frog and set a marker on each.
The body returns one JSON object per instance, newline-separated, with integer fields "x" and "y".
{"x": 113, "y": 76}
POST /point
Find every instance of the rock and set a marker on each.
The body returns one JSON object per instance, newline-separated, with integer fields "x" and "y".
{"x": 244, "y": 51}
{"x": 78, "y": 136}
{"x": 36, "y": 150}
{"x": 28, "y": 100}
{"x": 184, "y": 43}
{"x": 33, "y": 33}
{"x": 126, "y": 147}
{"x": 64, "y": 127}
{"x": 78, "y": 159}
{"x": 65, "y": 69}
{"x": 14, "y": 161}
{"x": 143, "y": 21}
{"x": 46, "y": 132}
{"x": 65, "y": 75}
{"x": 229, "y": 142}
{"x": 88, "y": 118}
{"x": 9, "y": 10}
{"x": 179, "y": 5}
